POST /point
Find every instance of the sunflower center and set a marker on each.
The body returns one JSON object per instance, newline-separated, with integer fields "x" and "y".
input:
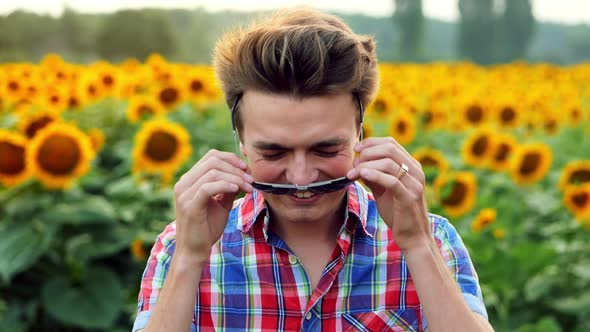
{"x": 73, "y": 102}
{"x": 161, "y": 146}
{"x": 474, "y": 114}
{"x": 59, "y": 154}
{"x": 37, "y": 125}
{"x": 580, "y": 176}
{"x": 92, "y": 90}
{"x": 54, "y": 99}
{"x": 575, "y": 114}
{"x": 196, "y": 86}
{"x": 13, "y": 85}
{"x": 12, "y": 158}
{"x": 401, "y": 127}
{"x": 380, "y": 106}
{"x": 480, "y": 146}
{"x": 428, "y": 161}
{"x": 502, "y": 152}
{"x": 530, "y": 163}
{"x": 550, "y": 125}
{"x": 581, "y": 199}
{"x": 507, "y": 115}
{"x": 107, "y": 80}
{"x": 457, "y": 195}
{"x": 168, "y": 95}
{"x": 145, "y": 110}
{"x": 427, "y": 117}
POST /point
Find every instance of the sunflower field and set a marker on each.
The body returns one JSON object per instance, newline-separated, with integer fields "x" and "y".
{"x": 89, "y": 155}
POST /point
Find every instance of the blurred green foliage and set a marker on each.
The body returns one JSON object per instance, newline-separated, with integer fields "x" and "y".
{"x": 189, "y": 35}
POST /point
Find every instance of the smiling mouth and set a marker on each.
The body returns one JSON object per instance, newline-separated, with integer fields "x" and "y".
{"x": 303, "y": 194}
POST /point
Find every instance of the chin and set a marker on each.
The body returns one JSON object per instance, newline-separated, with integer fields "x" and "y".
{"x": 320, "y": 208}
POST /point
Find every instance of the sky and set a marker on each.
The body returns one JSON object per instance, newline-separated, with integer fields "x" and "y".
{"x": 562, "y": 11}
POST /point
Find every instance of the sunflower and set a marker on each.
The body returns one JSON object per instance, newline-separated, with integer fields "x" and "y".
{"x": 12, "y": 88}
{"x": 368, "y": 130}
{"x": 530, "y": 162}
{"x": 382, "y": 106}
{"x": 403, "y": 127}
{"x": 484, "y": 218}
{"x": 54, "y": 98}
{"x": 169, "y": 95}
{"x": 160, "y": 147}
{"x": 88, "y": 87}
{"x": 577, "y": 200}
{"x": 432, "y": 161}
{"x": 507, "y": 114}
{"x": 13, "y": 166}
{"x": 504, "y": 146}
{"x": 478, "y": 146}
{"x": 59, "y": 154}
{"x": 200, "y": 85}
{"x": 499, "y": 233}
{"x": 575, "y": 172}
{"x": 142, "y": 106}
{"x": 96, "y": 138}
{"x": 138, "y": 250}
{"x": 107, "y": 77}
{"x": 473, "y": 113}
{"x": 456, "y": 192}
{"x": 31, "y": 123}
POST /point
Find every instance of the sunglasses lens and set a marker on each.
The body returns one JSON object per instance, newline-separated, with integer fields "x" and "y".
{"x": 330, "y": 187}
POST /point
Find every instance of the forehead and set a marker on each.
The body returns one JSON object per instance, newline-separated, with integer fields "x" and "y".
{"x": 290, "y": 122}
{"x": 259, "y": 106}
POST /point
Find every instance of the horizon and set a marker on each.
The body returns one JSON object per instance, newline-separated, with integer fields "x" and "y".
{"x": 569, "y": 12}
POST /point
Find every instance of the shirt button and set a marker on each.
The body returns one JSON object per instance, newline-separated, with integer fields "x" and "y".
{"x": 292, "y": 259}
{"x": 308, "y": 316}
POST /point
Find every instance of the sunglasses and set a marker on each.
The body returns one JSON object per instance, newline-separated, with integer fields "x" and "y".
{"x": 322, "y": 187}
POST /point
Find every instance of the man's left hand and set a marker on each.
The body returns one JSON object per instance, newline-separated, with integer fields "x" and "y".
{"x": 397, "y": 182}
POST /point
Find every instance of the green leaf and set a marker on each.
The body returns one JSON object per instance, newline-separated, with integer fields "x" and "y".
{"x": 92, "y": 210}
{"x": 539, "y": 286}
{"x": 124, "y": 188}
{"x": 12, "y": 320}
{"x": 22, "y": 245}
{"x": 576, "y": 305}
{"x": 95, "y": 303}
{"x": 99, "y": 243}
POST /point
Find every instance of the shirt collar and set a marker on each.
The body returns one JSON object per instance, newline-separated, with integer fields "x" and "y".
{"x": 253, "y": 208}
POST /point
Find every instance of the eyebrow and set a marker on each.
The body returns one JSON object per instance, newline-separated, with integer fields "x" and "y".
{"x": 331, "y": 142}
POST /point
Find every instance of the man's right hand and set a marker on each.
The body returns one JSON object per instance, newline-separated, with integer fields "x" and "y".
{"x": 203, "y": 198}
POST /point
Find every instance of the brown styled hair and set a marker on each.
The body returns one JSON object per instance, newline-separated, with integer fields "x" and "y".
{"x": 301, "y": 52}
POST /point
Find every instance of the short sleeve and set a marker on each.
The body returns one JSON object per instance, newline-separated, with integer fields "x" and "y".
{"x": 457, "y": 257}
{"x": 154, "y": 275}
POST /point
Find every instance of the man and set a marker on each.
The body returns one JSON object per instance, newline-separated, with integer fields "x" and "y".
{"x": 307, "y": 248}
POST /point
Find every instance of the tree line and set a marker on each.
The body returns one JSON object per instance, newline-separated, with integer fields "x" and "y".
{"x": 488, "y": 32}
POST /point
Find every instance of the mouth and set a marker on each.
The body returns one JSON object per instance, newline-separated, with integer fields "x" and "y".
{"x": 303, "y": 194}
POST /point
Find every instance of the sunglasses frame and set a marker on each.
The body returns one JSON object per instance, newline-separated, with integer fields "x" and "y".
{"x": 321, "y": 187}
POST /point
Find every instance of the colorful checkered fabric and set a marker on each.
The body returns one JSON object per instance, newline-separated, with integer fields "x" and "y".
{"x": 254, "y": 282}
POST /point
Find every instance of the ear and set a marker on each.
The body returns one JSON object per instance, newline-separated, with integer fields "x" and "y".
{"x": 243, "y": 150}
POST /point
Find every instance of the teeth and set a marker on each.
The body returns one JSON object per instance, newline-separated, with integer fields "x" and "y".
{"x": 303, "y": 194}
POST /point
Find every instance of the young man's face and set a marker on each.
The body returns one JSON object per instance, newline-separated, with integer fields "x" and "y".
{"x": 299, "y": 142}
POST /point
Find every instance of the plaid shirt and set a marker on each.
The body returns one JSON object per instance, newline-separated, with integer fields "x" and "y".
{"x": 254, "y": 282}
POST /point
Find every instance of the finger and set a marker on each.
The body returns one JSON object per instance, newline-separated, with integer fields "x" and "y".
{"x": 213, "y": 189}
{"x": 387, "y": 181}
{"x": 400, "y": 154}
{"x": 215, "y": 175}
{"x": 224, "y": 161}
{"x": 392, "y": 168}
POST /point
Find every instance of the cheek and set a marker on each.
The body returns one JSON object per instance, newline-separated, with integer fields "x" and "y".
{"x": 265, "y": 171}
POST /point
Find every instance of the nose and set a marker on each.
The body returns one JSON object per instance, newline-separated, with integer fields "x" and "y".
{"x": 300, "y": 171}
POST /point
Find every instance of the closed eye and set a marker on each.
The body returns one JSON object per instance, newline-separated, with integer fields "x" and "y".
{"x": 327, "y": 154}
